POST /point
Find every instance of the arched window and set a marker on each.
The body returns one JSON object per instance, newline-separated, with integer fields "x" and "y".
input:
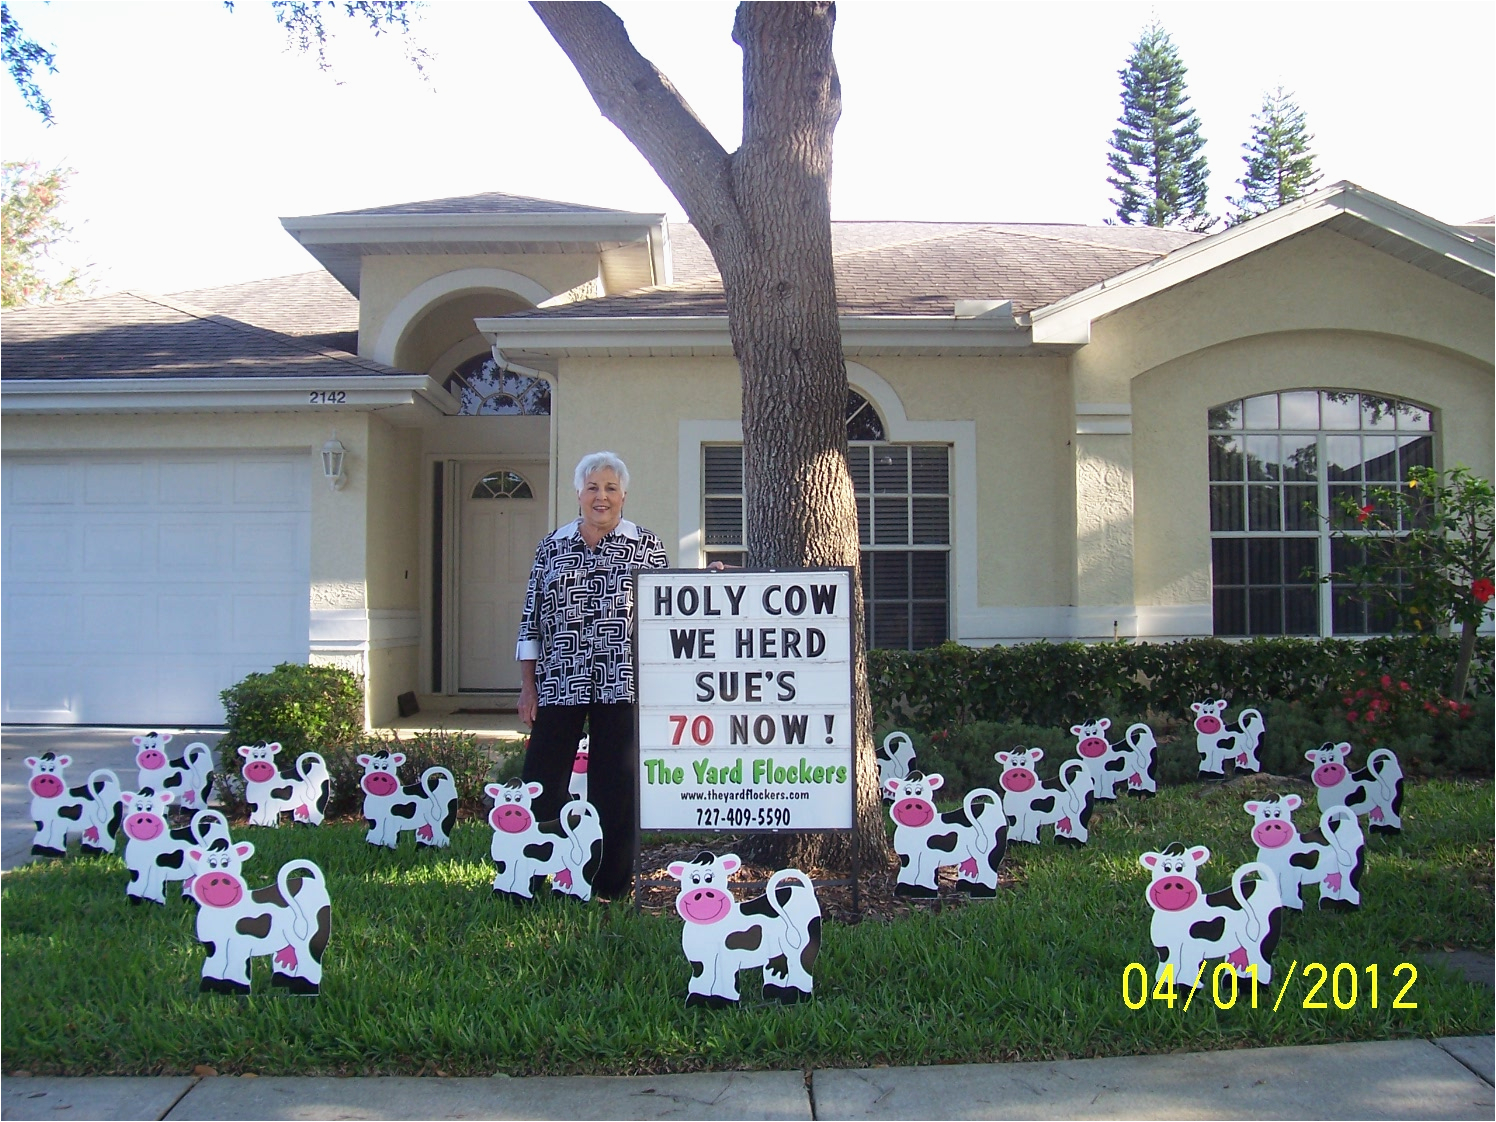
{"x": 903, "y": 521}
{"x": 1279, "y": 465}
{"x": 486, "y": 391}
{"x": 502, "y": 485}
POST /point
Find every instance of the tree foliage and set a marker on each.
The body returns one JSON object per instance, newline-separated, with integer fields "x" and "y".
{"x": 1426, "y": 551}
{"x": 22, "y": 56}
{"x": 1158, "y": 167}
{"x": 1280, "y": 165}
{"x": 29, "y": 229}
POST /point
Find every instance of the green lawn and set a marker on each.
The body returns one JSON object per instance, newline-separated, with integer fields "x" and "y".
{"x": 427, "y": 972}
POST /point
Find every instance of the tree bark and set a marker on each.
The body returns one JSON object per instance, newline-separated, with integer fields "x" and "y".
{"x": 1462, "y": 664}
{"x": 764, "y": 212}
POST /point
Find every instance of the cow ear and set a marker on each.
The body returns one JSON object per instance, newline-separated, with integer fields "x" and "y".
{"x": 195, "y": 854}
{"x": 1104, "y": 723}
{"x": 165, "y": 739}
{"x": 245, "y": 750}
{"x": 1004, "y": 757}
{"x": 165, "y": 797}
{"x": 935, "y": 782}
{"x": 892, "y": 786}
{"x": 244, "y": 850}
{"x": 32, "y": 761}
{"x": 364, "y": 761}
{"x": 139, "y": 740}
{"x": 127, "y": 797}
{"x": 1077, "y": 730}
{"x": 1199, "y": 855}
{"x": 729, "y": 862}
{"x": 1252, "y": 807}
{"x": 1036, "y": 754}
{"x": 274, "y": 747}
{"x": 534, "y": 789}
{"x": 677, "y": 869}
{"x": 1292, "y": 802}
{"x": 63, "y": 761}
{"x": 1148, "y": 860}
{"x": 1196, "y": 706}
{"x": 397, "y": 758}
{"x": 1344, "y": 748}
{"x": 492, "y": 790}
{"x": 1309, "y": 755}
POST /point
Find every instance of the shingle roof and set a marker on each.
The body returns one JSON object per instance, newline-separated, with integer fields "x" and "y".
{"x": 490, "y": 202}
{"x": 916, "y": 268}
{"x": 129, "y": 335}
{"x": 313, "y": 307}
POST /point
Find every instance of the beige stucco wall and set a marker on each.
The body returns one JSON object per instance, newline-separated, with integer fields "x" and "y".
{"x": 392, "y": 671}
{"x": 394, "y": 508}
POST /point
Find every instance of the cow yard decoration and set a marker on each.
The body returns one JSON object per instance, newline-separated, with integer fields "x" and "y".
{"x": 1331, "y": 857}
{"x": 1130, "y": 760}
{"x": 1375, "y": 791}
{"x": 427, "y": 809}
{"x": 156, "y": 853}
{"x": 189, "y": 779}
{"x": 289, "y": 920}
{"x": 92, "y": 811}
{"x": 270, "y": 794}
{"x": 576, "y": 787}
{"x": 973, "y": 839}
{"x": 1065, "y": 805}
{"x": 779, "y": 931}
{"x": 1217, "y": 744}
{"x": 525, "y": 852}
{"x": 1239, "y": 924}
{"x": 895, "y": 760}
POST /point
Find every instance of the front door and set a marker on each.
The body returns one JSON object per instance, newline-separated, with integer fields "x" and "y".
{"x": 501, "y": 520}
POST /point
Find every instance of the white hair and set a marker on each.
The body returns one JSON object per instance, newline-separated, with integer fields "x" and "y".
{"x": 597, "y": 461}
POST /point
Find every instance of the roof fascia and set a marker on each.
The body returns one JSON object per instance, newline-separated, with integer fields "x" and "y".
{"x": 401, "y": 229}
{"x": 1068, "y": 321}
{"x": 329, "y": 393}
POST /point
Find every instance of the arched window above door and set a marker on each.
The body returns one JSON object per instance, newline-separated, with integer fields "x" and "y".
{"x": 502, "y": 485}
{"x": 486, "y": 391}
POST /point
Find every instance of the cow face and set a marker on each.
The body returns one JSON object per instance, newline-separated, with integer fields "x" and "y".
{"x": 145, "y": 818}
{"x": 1092, "y": 738}
{"x": 1329, "y": 763}
{"x": 45, "y": 781}
{"x": 259, "y": 762}
{"x": 1174, "y": 887}
{"x": 912, "y": 804}
{"x": 704, "y": 897}
{"x": 1208, "y": 716}
{"x": 511, "y": 806}
{"x": 579, "y": 761}
{"x": 217, "y": 873}
{"x": 1274, "y": 828}
{"x": 1018, "y": 774}
{"x": 379, "y": 773}
{"x": 152, "y": 750}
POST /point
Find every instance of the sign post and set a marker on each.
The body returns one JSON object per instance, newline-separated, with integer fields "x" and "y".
{"x": 744, "y": 700}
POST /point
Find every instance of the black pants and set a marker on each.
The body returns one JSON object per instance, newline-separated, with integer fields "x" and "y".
{"x": 612, "y": 781}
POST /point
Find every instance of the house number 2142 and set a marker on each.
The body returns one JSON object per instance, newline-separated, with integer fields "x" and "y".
{"x": 327, "y": 397}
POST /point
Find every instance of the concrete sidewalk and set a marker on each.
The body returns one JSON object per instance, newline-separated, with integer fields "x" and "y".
{"x": 1447, "y": 1078}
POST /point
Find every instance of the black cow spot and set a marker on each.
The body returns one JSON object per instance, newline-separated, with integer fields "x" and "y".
{"x": 1042, "y": 806}
{"x": 1306, "y": 859}
{"x": 1163, "y": 953}
{"x": 955, "y": 818}
{"x": 759, "y": 906}
{"x": 1209, "y": 930}
{"x": 785, "y": 995}
{"x": 318, "y": 942}
{"x": 257, "y": 926}
{"x": 212, "y": 947}
{"x": 747, "y": 940}
{"x": 413, "y": 791}
{"x": 281, "y": 794}
{"x": 1356, "y": 797}
{"x": 72, "y": 813}
{"x": 172, "y": 860}
{"x": 50, "y": 851}
{"x": 551, "y": 827}
{"x": 222, "y": 985}
{"x": 403, "y": 810}
{"x": 539, "y": 851}
{"x": 294, "y": 984}
{"x": 710, "y": 1000}
{"x": 915, "y": 890}
{"x": 812, "y": 944}
{"x": 1119, "y": 764}
{"x": 270, "y": 894}
{"x": 697, "y": 968}
{"x": 903, "y": 860}
{"x": 173, "y": 780}
{"x": 1224, "y": 899}
{"x": 945, "y": 843}
{"x": 134, "y": 876}
{"x": 500, "y": 866}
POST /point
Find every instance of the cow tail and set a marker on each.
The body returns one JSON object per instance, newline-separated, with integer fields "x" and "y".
{"x": 426, "y": 784}
{"x": 1255, "y": 921}
{"x": 1067, "y": 771}
{"x": 1339, "y": 838}
{"x": 572, "y": 813}
{"x": 202, "y": 833}
{"x": 195, "y": 751}
{"x": 303, "y": 770}
{"x": 1140, "y": 738}
{"x": 1383, "y": 764}
{"x": 301, "y": 923}
{"x": 969, "y": 804}
{"x": 1249, "y": 725}
{"x": 791, "y": 932}
{"x": 100, "y": 780}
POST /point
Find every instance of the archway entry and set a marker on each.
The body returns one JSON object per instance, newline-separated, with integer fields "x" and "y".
{"x": 501, "y": 517}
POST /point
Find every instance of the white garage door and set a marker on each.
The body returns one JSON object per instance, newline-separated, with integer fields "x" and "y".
{"x": 135, "y": 588}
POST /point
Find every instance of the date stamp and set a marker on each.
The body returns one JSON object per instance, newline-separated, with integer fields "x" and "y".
{"x": 1341, "y": 984}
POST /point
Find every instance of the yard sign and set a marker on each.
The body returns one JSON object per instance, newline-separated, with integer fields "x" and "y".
{"x": 744, "y": 684}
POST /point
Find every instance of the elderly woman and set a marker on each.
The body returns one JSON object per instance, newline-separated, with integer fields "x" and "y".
{"x": 576, "y": 662}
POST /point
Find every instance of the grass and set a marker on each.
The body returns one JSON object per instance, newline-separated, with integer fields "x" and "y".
{"x": 428, "y": 973}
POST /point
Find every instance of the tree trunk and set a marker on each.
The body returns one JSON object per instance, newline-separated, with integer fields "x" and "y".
{"x": 764, "y": 212}
{"x": 1462, "y": 664}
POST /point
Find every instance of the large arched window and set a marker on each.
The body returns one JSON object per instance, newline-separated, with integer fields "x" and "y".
{"x": 1279, "y": 465}
{"x": 903, "y": 518}
{"x": 485, "y": 391}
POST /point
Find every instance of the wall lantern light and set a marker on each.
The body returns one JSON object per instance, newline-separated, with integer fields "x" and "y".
{"x": 333, "y": 454}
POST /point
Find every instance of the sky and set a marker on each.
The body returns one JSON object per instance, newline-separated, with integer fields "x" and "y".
{"x": 192, "y": 130}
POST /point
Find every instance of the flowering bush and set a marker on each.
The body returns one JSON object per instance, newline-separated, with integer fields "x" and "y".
{"x": 1386, "y": 705}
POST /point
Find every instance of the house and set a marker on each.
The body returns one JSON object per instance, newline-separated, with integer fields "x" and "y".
{"x": 1059, "y": 432}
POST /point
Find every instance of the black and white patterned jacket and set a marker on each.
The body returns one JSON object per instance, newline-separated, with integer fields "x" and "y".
{"x": 579, "y": 612}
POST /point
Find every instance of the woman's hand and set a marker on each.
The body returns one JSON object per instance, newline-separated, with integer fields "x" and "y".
{"x": 527, "y": 704}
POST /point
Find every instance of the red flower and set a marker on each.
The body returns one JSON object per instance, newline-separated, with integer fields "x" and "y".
{"x": 1482, "y": 590}
{"x": 1351, "y": 716}
{"x": 1364, "y": 513}
{"x": 1403, "y": 686}
{"x": 1386, "y": 681}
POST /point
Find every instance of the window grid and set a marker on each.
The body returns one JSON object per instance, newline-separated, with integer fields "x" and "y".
{"x": 1279, "y": 466}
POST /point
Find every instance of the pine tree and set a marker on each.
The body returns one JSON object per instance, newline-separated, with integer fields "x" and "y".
{"x": 1158, "y": 168}
{"x": 1280, "y": 167}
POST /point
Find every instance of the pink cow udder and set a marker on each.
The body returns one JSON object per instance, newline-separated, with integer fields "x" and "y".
{"x": 969, "y": 867}
{"x": 46, "y": 786}
{"x": 424, "y": 833}
{"x": 1329, "y": 775}
{"x": 1063, "y": 826}
{"x": 1376, "y": 814}
{"x": 303, "y": 811}
{"x": 1241, "y": 758}
{"x": 1332, "y": 882}
{"x": 1134, "y": 780}
{"x": 91, "y": 834}
{"x": 286, "y": 957}
{"x": 563, "y": 878}
{"x": 1238, "y": 958}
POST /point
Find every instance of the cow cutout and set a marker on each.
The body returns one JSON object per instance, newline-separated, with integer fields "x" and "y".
{"x": 290, "y": 920}
{"x": 1239, "y": 924}
{"x": 1217, "y": 744}
{"x": 189, "y": 778}
{"x": 1375, "y": 791}
{"x": 1065, "y": 803}
{"x": 576, "y": 787}
{"x": 973, "y": 839}
{"x": 779, "y": 931}
{"x": 1130, "y": 761}
{"x": 895, "y": 760}
{"x": 304, "y": 795}
{"x": 428, "y": 809}
{"x": 155, "y": 851}
{"x": 93, "y": 811}
{"x": 525, "y": 852}
{"x": 1332, "y": 857}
